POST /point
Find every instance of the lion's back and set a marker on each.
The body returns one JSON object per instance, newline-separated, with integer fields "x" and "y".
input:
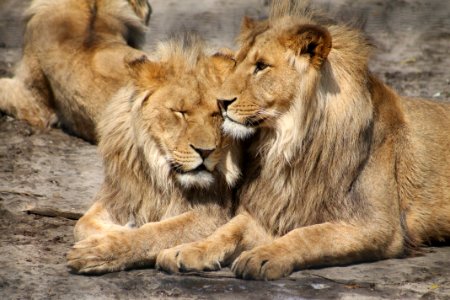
{"x": 54, "y": 23}
{"x": 77, "y": 46}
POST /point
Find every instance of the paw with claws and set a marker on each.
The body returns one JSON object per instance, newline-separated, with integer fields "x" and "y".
{"x": 113, "y": 251}
{"x": 187, "y": 258}
{"x": 268, "y": 262}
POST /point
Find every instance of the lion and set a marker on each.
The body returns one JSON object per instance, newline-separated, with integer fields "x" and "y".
{"x": 340, "y": 169}
{"x": 73, "y": 61}
{"x": 168, "y": 170}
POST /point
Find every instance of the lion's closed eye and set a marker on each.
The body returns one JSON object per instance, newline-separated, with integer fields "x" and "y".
{"x": 179, "y": 113}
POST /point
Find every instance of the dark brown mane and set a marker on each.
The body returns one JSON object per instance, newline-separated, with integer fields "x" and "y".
{"x": 91, "y": 33}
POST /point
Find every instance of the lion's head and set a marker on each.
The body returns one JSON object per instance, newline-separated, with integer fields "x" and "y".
{"x": 174, "y": 119}
{"x": 277, "y": 60}
{"x": 292, "y": 63}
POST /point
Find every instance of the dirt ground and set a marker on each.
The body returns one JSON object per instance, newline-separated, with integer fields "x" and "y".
{"x": 48, "y": 178}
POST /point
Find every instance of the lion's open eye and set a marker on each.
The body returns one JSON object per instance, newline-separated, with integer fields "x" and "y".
{"x": 260, "y": 66}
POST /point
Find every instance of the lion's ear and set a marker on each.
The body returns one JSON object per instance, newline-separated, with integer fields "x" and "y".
{"x": 223, "y": 63}
{"x": 146, "y": 74}
{"x": 311, "y": 40}
{"x": 226, "y": 52}
{"x": 250, "y": 27}
{"x": 248, "y": 24}
{"x": 217, "y": 67}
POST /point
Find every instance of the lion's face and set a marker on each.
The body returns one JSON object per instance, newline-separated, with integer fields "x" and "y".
{"x": 273, "y": 64}
{"x": 179, "y": 112}
{"x": 185, "y": 122}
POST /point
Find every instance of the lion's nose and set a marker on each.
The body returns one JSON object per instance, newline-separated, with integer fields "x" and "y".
{"x": 224, "y": 103}
{"x": 204, "y": 153}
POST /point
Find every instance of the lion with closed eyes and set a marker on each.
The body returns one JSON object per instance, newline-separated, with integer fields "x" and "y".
{"x": 168, "y": 169}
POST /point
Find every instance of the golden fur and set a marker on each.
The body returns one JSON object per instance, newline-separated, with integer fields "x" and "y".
{"x": 168, "y": 171}
{"x": 73, "y": 61}
{"x": 340, "y": 169}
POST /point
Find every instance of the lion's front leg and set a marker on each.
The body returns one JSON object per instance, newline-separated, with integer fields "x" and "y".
{"x": 196, "y": 256}
{"x": 129, "y": 247}
{"x": 120, "y": 249}
{"x": 240, "y": 233}
{"x": 267, "y": 262}
{"x": 96, "y": 221}
{"x": 109, "y": 252}
{"x": 317, "y": 245}
{"x": 102, "y": 244}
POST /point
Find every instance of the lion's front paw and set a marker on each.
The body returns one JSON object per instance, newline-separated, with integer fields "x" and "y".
{"x": 187, "y": 258}
{"x": 267, "y": 262}
{"x": 98, "y": 254}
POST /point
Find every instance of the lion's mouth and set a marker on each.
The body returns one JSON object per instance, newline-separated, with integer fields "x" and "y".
{"x": 200, "y": 177}
{"x": 199, "y": 169}
{"x": 251, "y": 122}
{"x": 254, "y": 122}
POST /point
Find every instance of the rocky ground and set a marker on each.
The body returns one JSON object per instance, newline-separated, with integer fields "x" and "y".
{"x": 47, "y": 178}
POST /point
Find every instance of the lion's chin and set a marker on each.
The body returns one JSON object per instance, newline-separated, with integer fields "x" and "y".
{"x": 202, "y": 179}
{"x": 237, "y": 130}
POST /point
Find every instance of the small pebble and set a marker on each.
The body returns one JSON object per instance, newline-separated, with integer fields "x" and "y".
{"x": 319, "y": 286}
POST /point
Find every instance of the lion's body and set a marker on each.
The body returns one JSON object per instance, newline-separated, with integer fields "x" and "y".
{"x": 168, "y": 171}
{"x": 73, "y": 61}
{"x": 401, "y": 170}
{"x": 423, "y": 170}
{"x": 340, "y": 169}
{"x": 401, "y": 159}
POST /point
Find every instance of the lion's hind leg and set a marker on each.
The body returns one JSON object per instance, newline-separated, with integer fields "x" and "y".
{"x": 26, "y": 96}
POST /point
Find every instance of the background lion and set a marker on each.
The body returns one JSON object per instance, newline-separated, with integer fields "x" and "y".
{"x": 168, "y": 171}
{"x": 341, "y": 169}
{"x": 73, "y": 61}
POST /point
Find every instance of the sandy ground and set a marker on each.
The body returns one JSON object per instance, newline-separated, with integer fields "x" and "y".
{"x": 47, "y": 179}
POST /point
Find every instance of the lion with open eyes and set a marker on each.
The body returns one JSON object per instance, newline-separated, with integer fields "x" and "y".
{"x": 340, "y": 169}
{"x": 168, "y": 170}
